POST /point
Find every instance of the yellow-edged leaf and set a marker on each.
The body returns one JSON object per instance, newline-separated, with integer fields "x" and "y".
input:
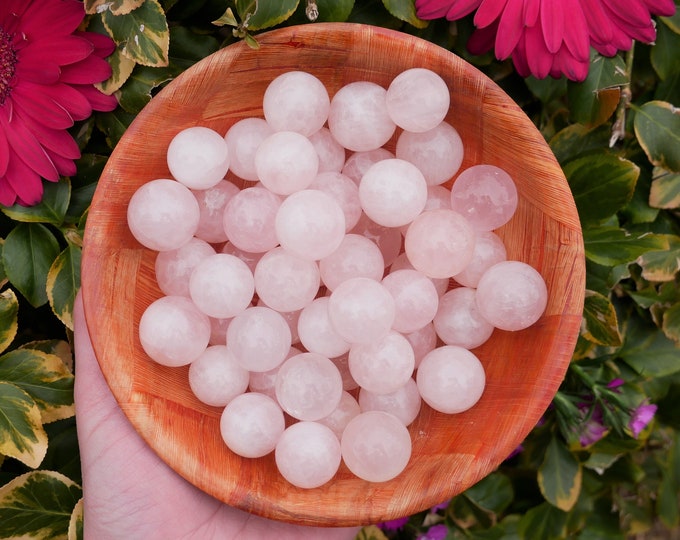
{"x": 560, "y": 476}
{"x": 44, "y": 377}
{"x": 38, "y": 505}
{"x": 63, "y": 282}
{"x": 21, "y": 432}
{"x": 117, "y": 7}
{"x": 57, "y": 347}
{"x": 75, "y": 526}
{"x": 121, "y": 69}
{"x": 9, "y": 309}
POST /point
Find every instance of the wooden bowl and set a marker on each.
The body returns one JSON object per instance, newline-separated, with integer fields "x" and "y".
{"x": 450, "y": 452}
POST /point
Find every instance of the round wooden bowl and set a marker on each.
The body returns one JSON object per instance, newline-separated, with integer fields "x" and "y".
{"x": 450, "y": 452}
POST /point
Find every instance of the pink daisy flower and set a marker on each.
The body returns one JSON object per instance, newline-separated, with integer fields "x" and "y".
{"x": 47, "y": 71}
{"x": 552, "y": 37}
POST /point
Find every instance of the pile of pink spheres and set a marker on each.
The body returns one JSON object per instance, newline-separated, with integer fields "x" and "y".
{"x": 315, "y": 304}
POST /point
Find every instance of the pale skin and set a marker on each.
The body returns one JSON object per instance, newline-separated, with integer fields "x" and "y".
{"x": 129, "y": 492}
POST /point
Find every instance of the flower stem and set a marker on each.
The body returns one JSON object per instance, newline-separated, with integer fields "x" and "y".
{"x": 619, "y": 126}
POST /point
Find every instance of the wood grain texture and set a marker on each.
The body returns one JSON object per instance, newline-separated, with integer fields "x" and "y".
{"x": 450, "y": 452}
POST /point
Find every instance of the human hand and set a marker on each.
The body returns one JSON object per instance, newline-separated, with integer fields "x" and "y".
{"x": 131, "y": 494}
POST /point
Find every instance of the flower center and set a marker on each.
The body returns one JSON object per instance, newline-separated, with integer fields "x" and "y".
{"x": 8, "y": 61}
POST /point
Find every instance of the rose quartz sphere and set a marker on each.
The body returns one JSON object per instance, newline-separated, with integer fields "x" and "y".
{"x": 316, "y": 330}
{"x": 384, "y": 365}
{"x": 211, "y": 203}
{"x": 331, "y": 153}
{"x": 439, "y": 243}
{"x": 422, "y": 341}
{"x": 358, "y": 117}
{"x": 291, "y": 318}
{"x": 218, "y": 330}
{"x": 249, "y": 219}
{"x": 310, "y": 224}
{"x": 163, "y": 214}
{"x": 458, "y": 320}
{"x": 251, "y": 425}
{"x": 308, "y": 454}
{"x": 489, "y": 250}
{"x": 356, "y": 256}
{"x": 392, "y": 192}
{"x": 308, "y": 386}
{"x": 342, "y": 363}
{"x": 264, "y": 382}
{"x": 361, "y": 310}
{"x": 344, "y": 191}
{"x": 404, "y": 402}
{"x": 402, "y": 263}
{"x": 347, "y": 409}
{"x": 243, "y": 139}
{"x": 251, "y": 259}
{"x": 376, "y": 446}
{"x": 415, "y": 299}
{"x": 296, "y": 101}
{"x": 259, "y": 338}
{"x": 221, "y": 285}
{"x": 286, "y": 282}
{"x": 359, "y": 162}
{"x": 198, "y": 157}
{"x": 486, "y": 195}
{"x": 286, "y": 162}
{"x": 216, "y": 378}
{"x": 450, "y": 379}
{"x": 388, "y": 239}
{"x": 173, "y": 332}
{"x": 173, "y": 268}
{"x": 438, "y": 153}
{"x": 511, "y": 295}
{"x": 417, "y": 99}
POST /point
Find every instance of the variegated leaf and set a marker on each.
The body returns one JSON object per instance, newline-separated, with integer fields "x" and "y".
{"x": 142, "y": 35}
{"x": 21, "y": 432}
{"x": 75, "y": 526}
{"x": 38, "y": 505}
{"x": 44, "y": 377}
{"x": 57, "y": 347}
{"x": 121, "y": 69}
{"x": 63, "y": 282}
{"x": 9, "y": 309}
{"x": 117, "y": 7}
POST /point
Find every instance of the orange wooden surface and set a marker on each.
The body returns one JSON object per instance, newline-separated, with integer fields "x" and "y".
{"x": 450, "y": 452}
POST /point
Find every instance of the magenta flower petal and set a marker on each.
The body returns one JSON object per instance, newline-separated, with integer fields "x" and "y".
{"x": 552, "y": 23}
{"x": 488, "y": 12}
{"x": 436, "y": 532}
{"x": 664, "y": 8}
{"x": 641, "y": 418}
{"x": 510, "y": 29}
{"x": 451, "y": 9}
{"x": 394, "y": 524}
{"x": 47, "y": 74}
{"x": 531, "y": 11}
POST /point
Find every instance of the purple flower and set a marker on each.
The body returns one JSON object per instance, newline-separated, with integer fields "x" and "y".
{"x": 393, "y": 524}
{"x": 593, "y": 429}
{"x": 440, "y": 506}
{"x": 641, "y": 417}
{"x": 436, "y": 532}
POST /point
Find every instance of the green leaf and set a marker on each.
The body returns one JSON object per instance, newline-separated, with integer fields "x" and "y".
{"x": 661, "y": 264}
{"x": 657, "y": 127}
{"x": 560, "y": 476}
{"x": 226, "y": 19}
{"x": 334, "y": 10}
{"x": 671, "y": 322}
{"x": 543, "y": 521}
{"x": 114, "y": 124}
{"x": 668, "y": 498}
{"x": 44, "y": 377}
{"x": 9, "y": 310}
{"x": 601, "y": 183}
{"x": 547, "y": 89}
{"x": 138, "y": 89}
{"x": 63, "y": 282}
{"x": 38, "y": 505}
{"x": 611, "y": 246}
{"x": 664, "y": 55}
{"x": 600, "y": 323}
{"x": 601, "y": 461}
{"x": 492, "y": 494}
{"x": 83, "y": 185}
{"x": 142, "y": 34}
{"x": 21, "y": 432}
{"x": 117, "y": 7}
{"x": 28, "y": 253}
{"x": 188, "y": 47}
{"x": 121, "y": 69}
{"x": 648, "y": 351}
{"x": 259, "y": 15}
{"x": 577, "y": 140}
{"x": 665, "y": 189}
{"x": 404, "y": 10}
{"x": 594, "y": 100}
{"x": 57, "y": 347}
{"x": 75, "y": 526}
{"x": 51, "y": 209}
